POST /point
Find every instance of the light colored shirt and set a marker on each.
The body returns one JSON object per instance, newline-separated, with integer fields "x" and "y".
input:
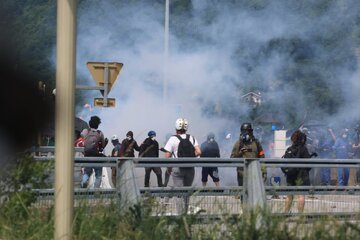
{"x": 173, "y": 144}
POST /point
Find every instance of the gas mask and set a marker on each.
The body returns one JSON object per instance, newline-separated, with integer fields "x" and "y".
{"x": 245, "y": 136}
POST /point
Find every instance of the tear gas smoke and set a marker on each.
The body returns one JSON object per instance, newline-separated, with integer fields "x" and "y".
{"x": 219, "y": 50}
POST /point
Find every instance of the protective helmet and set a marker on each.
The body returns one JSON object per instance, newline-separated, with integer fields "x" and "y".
{"x": 181, "y": 124}
{"x": 211, "y": 136}
{"x": 246, "y": 127}
{"x": 152, "y": 133}
{"x": 114, "y": 137}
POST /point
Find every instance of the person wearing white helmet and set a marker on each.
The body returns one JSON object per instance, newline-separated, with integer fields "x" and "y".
{"x": 117, "y": 145}
{"x": 182, "y": 145}
{"x": 115, "y": 153}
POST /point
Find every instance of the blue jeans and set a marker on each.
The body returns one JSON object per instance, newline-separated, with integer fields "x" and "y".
{"x": 87, "y": 174}
{"x": 325, "y": 176}
{"x": 343, "y": 176}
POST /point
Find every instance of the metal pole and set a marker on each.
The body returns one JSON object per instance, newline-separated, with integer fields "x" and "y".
{"x": 106, "y": 84}
{"x": 126, "y": 184}
{"x": 65, "y": 115}
{"x": 166, "y": 49}
{"x": 254, "y": 185}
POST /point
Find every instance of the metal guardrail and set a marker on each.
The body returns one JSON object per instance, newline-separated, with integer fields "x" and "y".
{"x": 321, "y": 198}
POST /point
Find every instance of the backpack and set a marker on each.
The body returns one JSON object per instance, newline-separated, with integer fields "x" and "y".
{"x": 92, "y": 142}
{"x": 185, "y": 148}
{"x": 291, "y": 152}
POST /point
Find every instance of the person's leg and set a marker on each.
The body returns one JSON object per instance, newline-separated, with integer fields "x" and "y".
{"x": 301, "y": 203}
{"x": 167, "y": 178}
{"x": 188, "y": 181}
{"x": 147, "y": 177}
{"x": 346, "y": 176}
{"x": 98, "y": 176}
{"x": 240, "y": 176}
{"x": 158, "y": 173}
{"x": 85, "y": 177}
{"x": 214, "y": 174}
{"x": 204, "y": 176}
{"x": 288, "y": 203}
{"x": 325, "y": 176}
{"x": 340, "y": 172}
{"x": 178, "y": 179}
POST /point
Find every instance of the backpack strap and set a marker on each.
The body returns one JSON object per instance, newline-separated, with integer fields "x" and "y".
{"x": 178, "y": 137}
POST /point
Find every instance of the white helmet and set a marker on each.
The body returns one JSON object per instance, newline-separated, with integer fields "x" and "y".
{"x": 114, "y": 137}
{"x": 181, "y": 124}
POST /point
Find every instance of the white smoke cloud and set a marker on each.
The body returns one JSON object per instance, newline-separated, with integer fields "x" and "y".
{"x": 202, "y": 67}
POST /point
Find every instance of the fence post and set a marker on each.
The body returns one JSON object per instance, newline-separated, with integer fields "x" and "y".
{"x": 126, "y": 184}
{"x": 254, "y": 184}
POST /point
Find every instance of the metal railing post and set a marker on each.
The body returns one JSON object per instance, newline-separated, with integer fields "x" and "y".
{"x": 126, "y": 184}
{"x": 254, "y": 184}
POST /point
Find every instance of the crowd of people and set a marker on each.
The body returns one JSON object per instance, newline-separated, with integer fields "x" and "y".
{"x": 304, "y": 144}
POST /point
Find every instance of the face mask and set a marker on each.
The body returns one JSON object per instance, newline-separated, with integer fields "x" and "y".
{"x": 245, "y": 137}
{"x": 344, "y": 136}
{"x": 153, "y": 138}
{"x": 129, "y": 138}
{"x": 211, "y": 139}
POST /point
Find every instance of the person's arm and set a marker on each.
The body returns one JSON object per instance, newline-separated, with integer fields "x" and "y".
{"x": 157, "y": 148}
{"x": 197, "y": 151}
{"x": 197, "y": 147}
{"x": 168, "y": 153}
{"x": 261, "y": 153}
{"x": 136, "y": 146}
{"x": 217, "y": 150}
{"x": 235, "y": 153}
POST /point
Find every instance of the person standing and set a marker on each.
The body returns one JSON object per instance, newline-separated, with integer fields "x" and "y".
{"x": 94, "y": 144}
{"x": 341, "y": 148}
{"x": 247, "y": 147}
{"x": 150, "y": 149}
{"x": 326, "y": 151}
{"x": 182, "y": 145}
{"x": 297, "y": 176}
{"x": 128, "y": 145}
{"x": 210, "y": 149}
{"x": 115, "y": 152}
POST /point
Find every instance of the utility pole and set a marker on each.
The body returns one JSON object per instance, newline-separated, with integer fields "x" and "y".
{"x": 166, "y": 49}
{"x": 64, "y": 119}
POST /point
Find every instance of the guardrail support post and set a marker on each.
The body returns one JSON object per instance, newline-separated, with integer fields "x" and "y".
{"x": 126, "y": 184}
{"x": 254, "y": 184}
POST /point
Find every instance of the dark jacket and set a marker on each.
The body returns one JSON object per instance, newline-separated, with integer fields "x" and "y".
{"x": 210, "y": 149}
{"x": 149, "y": 148}
{"x": 299, "y": 151}
{"x": 128, "y": 147}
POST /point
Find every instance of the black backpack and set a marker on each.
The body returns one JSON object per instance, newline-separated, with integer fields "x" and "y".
{"x": 185, "y": 148}
{"x": 291, "y": 152}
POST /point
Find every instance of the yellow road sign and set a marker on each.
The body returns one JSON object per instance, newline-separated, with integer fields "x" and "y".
{"x": 99, "y": 102}
{"x": 97, "y": 70}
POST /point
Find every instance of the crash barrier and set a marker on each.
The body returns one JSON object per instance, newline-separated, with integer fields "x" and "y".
{"x": 322, "y": 200}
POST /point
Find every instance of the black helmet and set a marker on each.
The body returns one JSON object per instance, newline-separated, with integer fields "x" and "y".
{"x": 246, "y": 127}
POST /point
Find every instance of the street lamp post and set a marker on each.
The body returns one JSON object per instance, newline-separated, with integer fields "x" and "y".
{"x": 166, "y": 49}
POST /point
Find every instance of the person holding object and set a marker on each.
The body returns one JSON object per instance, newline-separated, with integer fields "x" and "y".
{"x": 247, "y": 147}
